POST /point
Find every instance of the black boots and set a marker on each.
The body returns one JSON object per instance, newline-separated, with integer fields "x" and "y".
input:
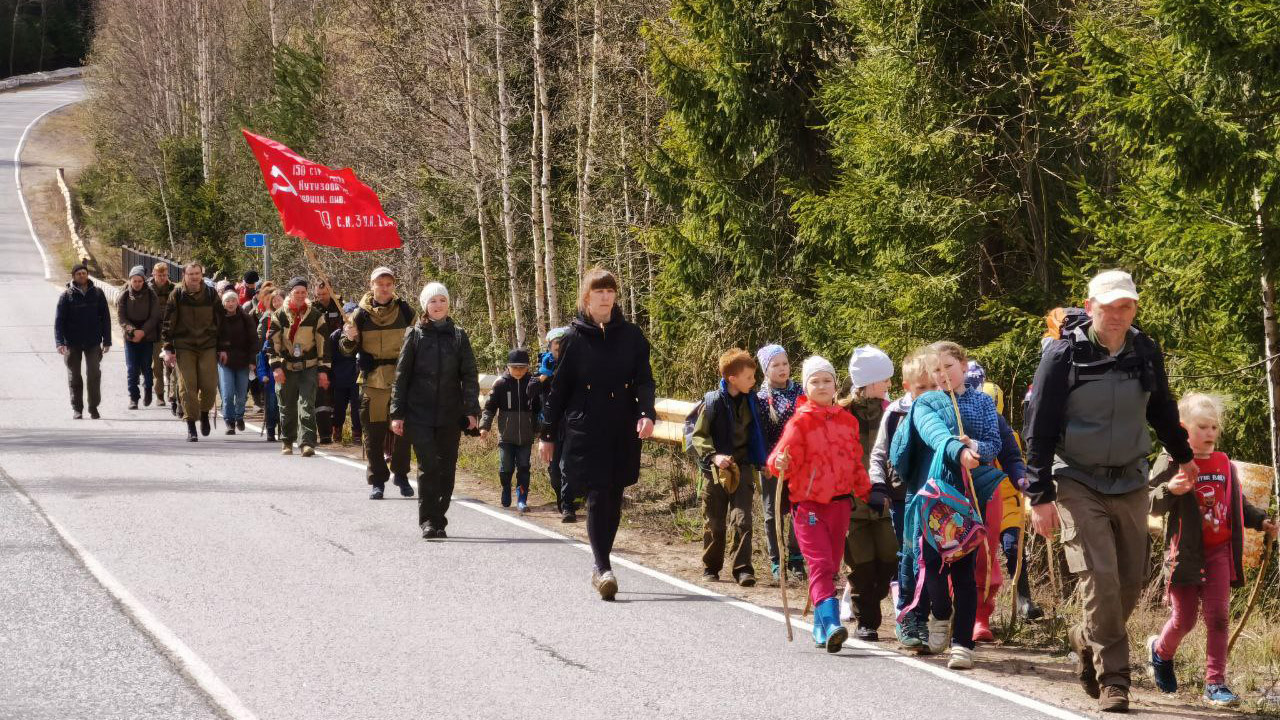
{"x": 146, "y": 397}
{"x": 191, "y": 431}
{"x": 204, "y": 424}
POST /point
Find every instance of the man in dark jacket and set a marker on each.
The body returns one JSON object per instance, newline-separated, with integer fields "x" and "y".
{"x": 436, "y": 396}
{"x": 163, "y": 374}
{"x": 1095, "y": 393}
{"x": 330, "y": 306}
{"x": 344, "y": 385}
{"x": 138, "y": 312}
{"x": 192, "y": 318}
{"x": 516, "y": 403}
{"x": 82, "y": 331}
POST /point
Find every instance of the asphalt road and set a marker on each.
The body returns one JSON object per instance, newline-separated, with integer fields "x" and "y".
{"x": 268, "y": 586}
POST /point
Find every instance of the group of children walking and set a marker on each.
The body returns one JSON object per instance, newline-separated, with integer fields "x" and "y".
{"x": 917, "y": 496}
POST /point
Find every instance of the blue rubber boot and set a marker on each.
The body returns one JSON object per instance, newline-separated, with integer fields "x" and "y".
{"x": 819, "y": 628}
{"x": 828, "y": 613}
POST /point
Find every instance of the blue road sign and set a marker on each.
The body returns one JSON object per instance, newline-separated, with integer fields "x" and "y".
{"x": 255, "y": 240}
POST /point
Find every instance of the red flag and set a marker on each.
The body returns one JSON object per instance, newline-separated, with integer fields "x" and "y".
{"x": 327, "y": 207}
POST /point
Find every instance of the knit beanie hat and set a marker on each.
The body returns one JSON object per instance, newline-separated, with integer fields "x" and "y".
{"x": 232, "y": 294}
{"x": 869, "y": 365}
{"x": 431, "y": 290}
{"x": 138, "y": 271}
{"x": 298, "y": 281}
{"x": 814, "y": 365}
{"x": 252, "y": 277}
{"x": 766, "y": 354}
{"x": 975, "y": 376}
{"x": 556, "y": 333}
{"x": 78, "y": 268}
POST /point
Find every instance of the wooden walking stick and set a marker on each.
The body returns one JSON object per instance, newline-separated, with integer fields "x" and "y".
{"x": 782, "y": 542}
{"x": 973, "y": 493}
{"x": 1268, "y": 545}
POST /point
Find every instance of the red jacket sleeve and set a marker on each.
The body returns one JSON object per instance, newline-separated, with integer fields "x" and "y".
{"x": 791, "y": 442}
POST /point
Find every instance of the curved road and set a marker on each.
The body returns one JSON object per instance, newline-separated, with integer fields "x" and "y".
{"x": 176, "y": 580}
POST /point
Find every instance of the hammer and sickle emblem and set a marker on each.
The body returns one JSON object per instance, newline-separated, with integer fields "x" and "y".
{"x": 286, "y": 187}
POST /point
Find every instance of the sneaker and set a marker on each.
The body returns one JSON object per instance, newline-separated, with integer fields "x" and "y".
{"x": 376, "y": 493}
{"x": 708, "y": 576}
{"x": 905, "y": 632}
{"x": 429, "y": 533}
{"x": 961, "y": 658}
{"x": 1161, "y": 670}
{"x": 308, "y": 451}
{"x": 919, "y": 629}
{"x": 846, "y": 605}
{"x": 271, "y": 436}
{"x": 1086, "y": 673}
{"x": 1114, "y": 699}
{"x": 773, "y": 569}
{"x": 93, "y": 414}
{"x": 795, "y": 567}
{"x": 133, "y": 404}
{"x": 146, "y": 397}
{"x": 231, "y": 429}
{"x": 77, "y": 414}
{"x": 746, "y": 580}
{"x": 1221, "y": 696}
{"x": 406, "y": 490}
{"x": 441, "y": 534}
{"x": 605, "y": 583}
{"x": 204, "y": 424}
{"x": 569, "y": 516}
{"x": 522, "y": 507}
{"x": 1029, "y": 610}
{"x": 240, "y": 424}
{"x": 939, "y": 635}
{"x": 286, "y": 448}
{"x": 867, "y": 634}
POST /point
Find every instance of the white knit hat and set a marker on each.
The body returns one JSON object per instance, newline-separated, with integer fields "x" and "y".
{"x": 868, "y": 365}
{"x": 230, "y": 294}
{"x": 431, "y": 290}
{"x": 814, "y": 365}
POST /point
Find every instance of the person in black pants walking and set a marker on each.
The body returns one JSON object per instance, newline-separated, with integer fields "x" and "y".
{"x": 436, "y": 395}
{"x": 82, "y": 332}
{"x": 602, "y": 406}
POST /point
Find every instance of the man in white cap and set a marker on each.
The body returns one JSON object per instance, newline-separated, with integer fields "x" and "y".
{"x": 1095, "y": 393}
{"x": 374, "y": 336}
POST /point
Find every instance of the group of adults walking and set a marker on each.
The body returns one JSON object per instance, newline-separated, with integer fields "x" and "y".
{"x": 1096, "y": 391}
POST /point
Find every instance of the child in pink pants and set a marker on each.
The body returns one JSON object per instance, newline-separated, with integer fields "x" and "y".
{"x": 821, "y": 457}
{"x": 1204, "y": 534}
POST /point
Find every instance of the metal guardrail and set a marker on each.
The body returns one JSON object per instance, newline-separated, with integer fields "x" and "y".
{"x": 18, "y": 81}
{"x": 130, "y": 257}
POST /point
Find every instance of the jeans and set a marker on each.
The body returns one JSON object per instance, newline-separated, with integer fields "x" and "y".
{"x": 514, "y": 459}
{"x": 92, "y": 357}
{"x": 233, "y": 383}
{"x": 963, "y": 592}
{"x": 137, "y": 361}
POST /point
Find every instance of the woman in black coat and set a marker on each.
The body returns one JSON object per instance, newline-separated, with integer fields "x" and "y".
{"x": 436, "y": 395}
{"x": 601, "y": 404}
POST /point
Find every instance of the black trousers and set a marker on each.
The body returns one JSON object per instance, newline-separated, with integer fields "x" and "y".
{"x": 604, "y": 514}
{"x": 437, "y": 451}
{"x": 346, "y": 400}
{"x": 92, "y": 359}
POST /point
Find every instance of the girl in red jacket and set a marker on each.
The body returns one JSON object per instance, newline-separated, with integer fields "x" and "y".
{"x": 822, "y": 458}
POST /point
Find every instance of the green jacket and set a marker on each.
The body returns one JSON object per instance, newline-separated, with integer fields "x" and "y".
{"x": 305, "y": 348}
{"x": 191, "y": 320}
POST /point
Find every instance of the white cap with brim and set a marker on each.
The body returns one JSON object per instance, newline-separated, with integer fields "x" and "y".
{"x": 379, "y": 272}
{"x": 1112, "y": 285}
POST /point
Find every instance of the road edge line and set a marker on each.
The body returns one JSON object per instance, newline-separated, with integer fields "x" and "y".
{"x": 189, "y": 664}
{"x": 17, "y": 180}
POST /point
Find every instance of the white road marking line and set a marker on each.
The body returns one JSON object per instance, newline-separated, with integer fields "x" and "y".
{"x": 939, "y": 672}
{"x": 17, "y": 180}
{"x": 178, "y": 652}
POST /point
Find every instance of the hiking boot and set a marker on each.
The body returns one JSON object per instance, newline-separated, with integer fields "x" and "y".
{"x": 1029, "y": 610}
{"x": 429, "y": 533}
{"x": 406, "y": 490}
{"x": 204, "y": 424}
{"x": 146, "y": 397}
{"x": 286, "y": 448}
{"x": 846, "y": 604}
{"x": 867, "y": 634}
{"x": 231, "y": 429}
{"x": 906, "y": 634}
{"x": 746, "y": 580}
{"x": 133, "y": 404}
{"x": 93, "y": 414}
{"x": 708, "y": 576}
{"x": 375, "y": 493}
{"x": 191, "y": 431}
{"x": 605, "y": 583}
{"x": 827, "y": 613}
{"x": 271, "y": 436}
{"x": 1086, "y": 673}
{"x": 1161, "y": 670}
{"x": 569, "y": 516}
{"x": 441, "y": 534}
{"x": 919, "y": 629}
{"x": 77, "y": 414}
{"x": 308, "y": 451}
{"x": 961, "y": 658}
{"x": 240, "y": 424}
{"x": 1114, "y": 699}
{"x": 939, "y": 635}
{"x": 1221, "y": 696}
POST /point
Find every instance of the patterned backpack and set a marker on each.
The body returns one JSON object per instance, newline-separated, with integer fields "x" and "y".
{"x": 949, "y": 520}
